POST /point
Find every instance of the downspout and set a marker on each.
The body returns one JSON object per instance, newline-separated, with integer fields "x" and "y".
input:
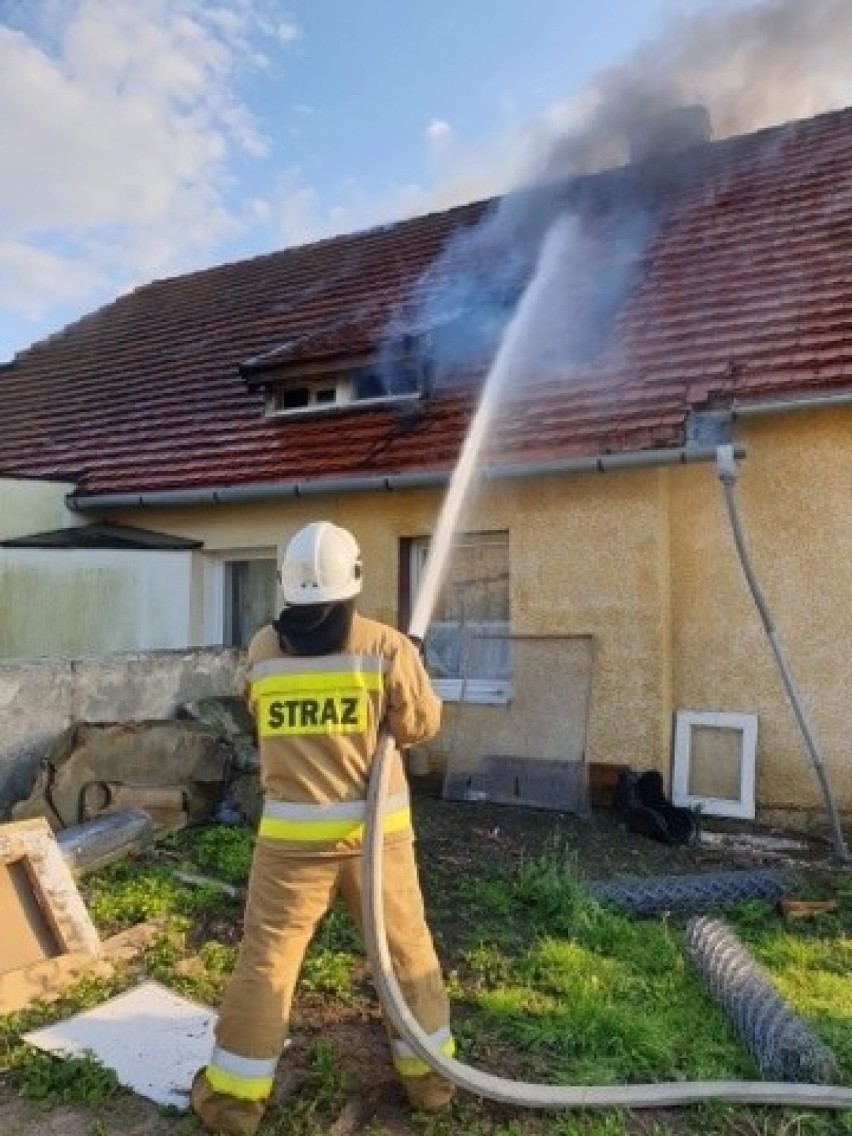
{"x": 728, "y": 472}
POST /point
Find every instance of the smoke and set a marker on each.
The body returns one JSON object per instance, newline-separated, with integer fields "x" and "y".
{"x": 750, "y": 66}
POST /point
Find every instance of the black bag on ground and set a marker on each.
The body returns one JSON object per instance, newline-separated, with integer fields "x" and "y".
{"x": 640, "y": 799}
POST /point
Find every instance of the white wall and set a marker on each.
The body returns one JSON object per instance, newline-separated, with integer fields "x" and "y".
{"x": 67, "y": 603}
{"x": 28, "y": 507}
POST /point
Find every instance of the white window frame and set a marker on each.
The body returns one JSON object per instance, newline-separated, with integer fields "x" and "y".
{"x": 739, "y": 808}
{"x": 345, "y": 386}
{"x": 476, "y": 691}
{"x": 214, "y": 587}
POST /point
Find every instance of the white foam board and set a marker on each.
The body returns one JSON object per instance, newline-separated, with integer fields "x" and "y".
{"x": 154, "y": 1040}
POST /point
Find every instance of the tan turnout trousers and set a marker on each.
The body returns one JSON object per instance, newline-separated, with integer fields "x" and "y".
{"x": 318, "y": 722}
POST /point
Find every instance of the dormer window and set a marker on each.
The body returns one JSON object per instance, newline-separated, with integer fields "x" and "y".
{"x": 308, "y": 396}
{"x": 294, "y": 390}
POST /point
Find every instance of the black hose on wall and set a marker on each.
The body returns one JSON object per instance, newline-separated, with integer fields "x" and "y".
{"x": 783, "y": 1046}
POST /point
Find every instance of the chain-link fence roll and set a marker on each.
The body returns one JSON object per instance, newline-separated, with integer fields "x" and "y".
{"x": 690, "y": 894}
{"x": 783, "y": 1046}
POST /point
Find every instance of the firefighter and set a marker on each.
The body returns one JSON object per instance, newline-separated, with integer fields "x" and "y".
{"x": 321, "y": 681}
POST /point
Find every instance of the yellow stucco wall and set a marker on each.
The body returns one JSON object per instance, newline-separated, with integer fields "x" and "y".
{"x": 589, "y": 556}
{"x": 643, "y": 561}
{"x": 795, "y": 502}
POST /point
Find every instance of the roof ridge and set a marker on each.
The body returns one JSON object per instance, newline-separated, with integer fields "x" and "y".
{"x": 577, "y": 180}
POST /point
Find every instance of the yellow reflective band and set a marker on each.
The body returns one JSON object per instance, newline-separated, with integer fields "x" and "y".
{"x": 280, "y": 828}
{"x": 415, "y": 1067}
{"x": 329, "y": 703}
{"x": 244, "y": 1088}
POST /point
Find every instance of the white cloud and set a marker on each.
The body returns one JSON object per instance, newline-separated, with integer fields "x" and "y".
{"x": 296, "y": 213}
{"x": 438, "y": 131}
{"x": 120, "y": 118}
{"x": 32, "y": 279}
{"x": 288, "y": 31}
{"x": 440, "y": 139}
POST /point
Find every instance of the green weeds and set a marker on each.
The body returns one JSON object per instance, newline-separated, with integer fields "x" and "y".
{"x": 223, "y": 852}
{"x": 53, "y": 1080}
{"x": 310, "y": 1105}
{"x": 123, "y": 894}
{"x": 546, "y": 983}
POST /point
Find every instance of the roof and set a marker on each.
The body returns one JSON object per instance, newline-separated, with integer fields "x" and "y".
{"x": 742, "y": 291}
{"x": 104, "y": 536}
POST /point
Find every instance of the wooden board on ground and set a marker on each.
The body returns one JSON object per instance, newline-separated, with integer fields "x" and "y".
{"x": 48, "y": 935}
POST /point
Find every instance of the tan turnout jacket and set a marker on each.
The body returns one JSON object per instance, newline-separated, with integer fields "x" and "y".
{"x": 318, "y": 720}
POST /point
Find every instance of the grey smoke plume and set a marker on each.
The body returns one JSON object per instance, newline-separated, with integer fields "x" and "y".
{"x": 751, "y": 65}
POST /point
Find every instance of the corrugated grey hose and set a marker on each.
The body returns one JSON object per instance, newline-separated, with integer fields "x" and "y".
{"x": 524, "y": 1093}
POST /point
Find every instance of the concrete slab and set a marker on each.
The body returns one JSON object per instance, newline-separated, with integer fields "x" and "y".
{"x": 154, "y": 1040}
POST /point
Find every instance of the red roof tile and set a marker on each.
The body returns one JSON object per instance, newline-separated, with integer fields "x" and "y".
{"x": 744, "y": 290}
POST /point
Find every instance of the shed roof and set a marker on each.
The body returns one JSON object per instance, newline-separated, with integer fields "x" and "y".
{"x": 101, "y": 535}
{"x": 744, "y": 291}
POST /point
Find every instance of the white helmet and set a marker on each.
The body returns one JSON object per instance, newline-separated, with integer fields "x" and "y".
{"x": 322, "y": 563}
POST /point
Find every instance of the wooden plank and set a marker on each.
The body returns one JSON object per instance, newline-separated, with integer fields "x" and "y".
{"x": 57, "y": 940}
{"x": 46, "y": 981}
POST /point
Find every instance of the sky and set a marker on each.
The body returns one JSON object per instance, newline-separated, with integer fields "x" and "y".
{"x": 145, "y": 138}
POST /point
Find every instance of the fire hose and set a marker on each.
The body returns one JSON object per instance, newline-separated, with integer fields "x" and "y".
{"x": 501, "y": 1089}
{"x": 528, "y": 1094}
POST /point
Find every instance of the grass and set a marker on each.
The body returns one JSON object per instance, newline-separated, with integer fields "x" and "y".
{"x": 48, "y": 1080}
{"x": 315, "y": 1100}
{"x": 546, "y": 984}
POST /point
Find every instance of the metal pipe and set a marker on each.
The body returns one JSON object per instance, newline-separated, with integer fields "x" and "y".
{"x": 788, "y": 405}
{"x": 605, "y": 463}
{"x": 728, "y": 473}
{"x": 256, "y": 492}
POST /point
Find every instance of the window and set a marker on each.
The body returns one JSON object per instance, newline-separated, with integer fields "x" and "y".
{"x": 250, "y": 595}
{"x": 344, "y": 389}
{"x": 308, "y": 396}
{"x": 467, "y": 648}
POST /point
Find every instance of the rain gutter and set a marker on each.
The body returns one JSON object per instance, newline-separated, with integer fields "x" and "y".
{"x": 435, "y": 479}
{"x": 789, "y": 405}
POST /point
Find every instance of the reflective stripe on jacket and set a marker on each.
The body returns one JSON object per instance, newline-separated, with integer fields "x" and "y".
{"x": 318, "y": 722}
{"x": 295, "y": 697}
{"x": 284, "y": 821}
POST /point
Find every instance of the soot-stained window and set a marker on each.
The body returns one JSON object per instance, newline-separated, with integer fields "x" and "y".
{"x": 343, "y": 386}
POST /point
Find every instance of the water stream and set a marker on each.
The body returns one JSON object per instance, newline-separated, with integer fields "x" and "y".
{"x": 507, "y": 368}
